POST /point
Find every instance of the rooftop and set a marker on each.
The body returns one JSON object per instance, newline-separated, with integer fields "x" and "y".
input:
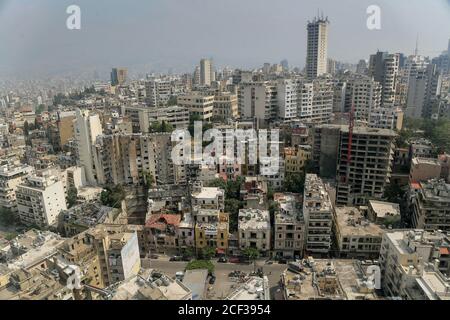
{"x": 150, "y": 285}
{"x": 317, "y": 279}
{"x": 255, "y": 288}
{"x": 195, "y": 280}
{"x": 290, "y": 208}
{"x": 351, "y": 222}
{"x": 254, "y": 219}
{"x": 31, "y": 248}
{"x": 382, "y": 208}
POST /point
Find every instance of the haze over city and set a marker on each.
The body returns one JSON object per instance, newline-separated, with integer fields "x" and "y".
{"x": 162, "y": 35}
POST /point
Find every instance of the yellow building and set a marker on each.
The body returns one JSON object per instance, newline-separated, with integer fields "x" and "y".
{"x": 212, "y": 230}
{"x": 296, "y": 157}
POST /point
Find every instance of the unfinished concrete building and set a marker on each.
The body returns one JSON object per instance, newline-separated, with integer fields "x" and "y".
{"x": 367, "y": 171}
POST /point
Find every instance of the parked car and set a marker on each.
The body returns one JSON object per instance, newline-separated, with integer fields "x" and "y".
{"x": 234, "y": 260}
{"x": 222, "y": 260}
{"x": 186, "y": 258}
{"x": 282, "y": 261}
{"x": 176, "y": 258}
{"x": 212, "y": 279}
{"x": 153, "y": 256}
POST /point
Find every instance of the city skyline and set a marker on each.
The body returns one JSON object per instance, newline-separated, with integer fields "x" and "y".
{"x": 176, "y": 35}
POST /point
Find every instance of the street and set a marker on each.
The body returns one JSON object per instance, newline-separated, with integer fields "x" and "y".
{"x": 223, "y": 285}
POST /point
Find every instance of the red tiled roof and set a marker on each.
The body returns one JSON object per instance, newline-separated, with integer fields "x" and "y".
{"x": 415, "y": 185}
{"x": 444, "y": 251}
{"x": 161, "y": 220}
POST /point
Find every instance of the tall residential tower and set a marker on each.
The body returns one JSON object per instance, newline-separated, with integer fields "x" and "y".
{"x": 316, "y": 55}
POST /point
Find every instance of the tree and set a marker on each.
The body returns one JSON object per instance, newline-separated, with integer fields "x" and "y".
{"x": 160, "y": 127}
{"x": 201, "y": 264}
{"x": 72, "y": 196}
{"x": 207, "y": 253}
{"x": 26, "y": 129}
{"x": 294, "y": 182}
{"x": 393, "y": 193}
{"x": 113, "y": 197}
{"x": 149, "y": 180}
{"x": 251, "y": 254}
{"x": 232, "y": 206}
{"x": 188, "y": 252}
{"x": 6, "y": 216}
{"x": 39, "y": 109}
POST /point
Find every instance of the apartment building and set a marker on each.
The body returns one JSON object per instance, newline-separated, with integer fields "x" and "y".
{"x": 317, "y": 47}
{"x": 424, "y": 87}
{"x": 106, "y": 255}
{"x": 12, "y": 174}
{"x": 130, "y": 158}
{"x": 315, "y": 100}
{"x": 386, "y": 118}
{"x": 208, "y": 197}
{"x": 318, "y": 213}
{"x": 421, "y": 148}
{"x": 211, "y": 230}
{"x": 289, "y": 228}
{"x": 160, "y": 232}
{"x": 384, "y": 68}
{"x": 81, "y": 217}
{"x": 258, "y": 100}
{"x": 118, "y": 254}
{"x": 423, "y": 169}
{"x": 186, "y": 232}
{"x": 118, "y": 76}
{"x": 254, "y": 230}
{"x": 226, "y": 106}
{"x": 406, "y": 270}
{"x": 87, "y": 128}
{"x": 366, "y": 174}
{"x": 430, "y": 205}
{"x": 142, "y": 117}
{"x": 295, "y": 158}
{"x": 40, "y": 200}
{"x": 360, "y": 92}
{"x": 150, "y": 284}
{"x": 176, "y": 116}
{"x": 382, "y": 212}
{"x": 158, "y": 92}
{"x": 356, "y": 237}
{"x": 207, "y": 73}
{"x": 325, "y": 149}
{"x": 198, "y": 104}
{"x": 287, "y": 90}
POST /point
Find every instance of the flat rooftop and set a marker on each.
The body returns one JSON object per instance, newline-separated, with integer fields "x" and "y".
{"x": 351, "y": 222}
{"x": 254, "y": 219}
{"x": 382, "y": 208}
{"x": 255, "y": 288}
{"x": 344, "y": 280}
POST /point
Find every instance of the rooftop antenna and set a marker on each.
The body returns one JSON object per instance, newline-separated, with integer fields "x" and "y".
{"x": 416, "y": 50}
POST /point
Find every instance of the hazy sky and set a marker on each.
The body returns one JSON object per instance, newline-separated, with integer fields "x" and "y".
{"x": 159, "y": 34}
